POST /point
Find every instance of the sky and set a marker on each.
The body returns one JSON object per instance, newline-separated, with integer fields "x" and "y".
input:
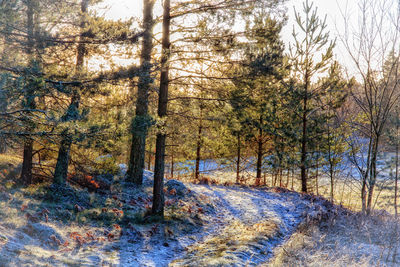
{"x": 333, "y": 9}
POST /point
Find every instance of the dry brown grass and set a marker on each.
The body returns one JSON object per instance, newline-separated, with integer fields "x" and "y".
{"x": 232, "y": 243}
{"x": 352, "y": 240}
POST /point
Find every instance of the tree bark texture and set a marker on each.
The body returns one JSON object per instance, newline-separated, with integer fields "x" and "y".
{"x": 303, "y": 163}
{"x": 140, "y": 123}
{"x": 158, "y": 189}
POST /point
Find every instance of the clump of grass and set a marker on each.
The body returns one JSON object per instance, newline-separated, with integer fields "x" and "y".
{"x": 66, "y": 194}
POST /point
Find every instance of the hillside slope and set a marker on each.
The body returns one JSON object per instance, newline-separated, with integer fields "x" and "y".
{"x": 205, "y": 225}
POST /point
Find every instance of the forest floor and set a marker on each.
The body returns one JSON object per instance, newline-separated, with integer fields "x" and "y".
{"x": 205, "y": 225}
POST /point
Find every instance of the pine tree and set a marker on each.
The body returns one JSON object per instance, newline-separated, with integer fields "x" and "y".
{"x": 72, "y": 113}
{"x": 158, "y": 192}
{"x": 142, "y": 121}
{"x": 314, "y": 40}
{"x": 30, "y": 89}
{"x": 263, "y": 68}
{"x": 333, "y": 141}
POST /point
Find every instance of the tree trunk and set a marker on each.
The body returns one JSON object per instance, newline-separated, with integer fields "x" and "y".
{"x": 259, "y": 163}
{"x": 26, "y": 172}
{"x": 61, "y": 170}
{"x": 364, "y": 195}
{"x": 265, "y": 178}
{"x": 141, "y": 121}
{"x": 149, "y": 157}
{"x": 331, "y": 171}
{"x": 198, "y": 147}
{"x": 396, "y": 171}
{"x": 259, "y": 154}
{"x": 158, "y": 192}
{"x": 238, "y": 159}
{"x": 316, "y": 175}
{"x": 303, "y": 163}
{"x": 304, "y": 149}
{"x": 373, "y": 174}
{"x": 287, "y": 178}
{"x": 365, "y": 175}
{"x": 292, "y": 187}
{"x": 332, "y": 182}
{"x": 172, "y": 165}
{"x": 331, "y": 166}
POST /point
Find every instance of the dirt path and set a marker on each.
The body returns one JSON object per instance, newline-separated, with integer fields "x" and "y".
{"x": 243, "y": 230}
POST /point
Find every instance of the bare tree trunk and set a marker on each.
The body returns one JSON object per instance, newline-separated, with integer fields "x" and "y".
{"x": 303, "y": 162}
{"x": 287, "y": 178}
{"x": 373, "y": 174}
{"x": 316, "y": 176}
{"x": 265, "y": 178}
{"x": 397, "y": 170}
{"x": 158, "y": 192}
{"x": 364, "y": 196}
{"x": 273, "y": 178}
{"x": 238, "y": 159}
{"x": 259, "y": 154}
{"x": 149, "y": 157}
{"x": 380, "y": 93}
{"x": 198, "y": 147}
{"x": 141, "y": 121}
{"x": 292, "y": 187}
{"x": 172, "y": 165}
{"x": 365, "y": 176}
{"x": 26, "y": 172}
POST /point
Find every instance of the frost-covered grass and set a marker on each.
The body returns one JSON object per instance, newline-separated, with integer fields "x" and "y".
{"x": 352, "y": 240}
{"x": 44, "y": 225}
{"x": 65, "y": 226}
{"x": 205, "y": 225}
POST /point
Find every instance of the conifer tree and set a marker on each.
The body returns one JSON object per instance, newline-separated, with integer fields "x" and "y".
{"x": 263, "y": 68}
{"x": 313, "y": 39}
{"x": 333, "y": 141}
{"x": 142, "y": 120}
{"x": 72, "y": 113}
{"x": 30, "y": 89}
{"x": 158, "y": 192}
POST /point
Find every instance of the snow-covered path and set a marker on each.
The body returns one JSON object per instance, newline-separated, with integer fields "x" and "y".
{"x": 243, "y": 230}
{"x": 251, "y": 223}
